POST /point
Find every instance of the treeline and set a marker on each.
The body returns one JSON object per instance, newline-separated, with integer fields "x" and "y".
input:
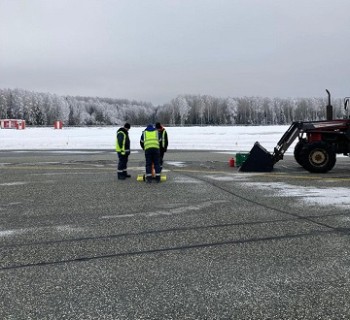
{"x": 45, "y": 108}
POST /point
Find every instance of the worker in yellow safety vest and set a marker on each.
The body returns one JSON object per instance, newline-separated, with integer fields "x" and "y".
{"x": 123, "y": 149}
{"x": 163, "y": 135}
{"x": 149, "y": 142}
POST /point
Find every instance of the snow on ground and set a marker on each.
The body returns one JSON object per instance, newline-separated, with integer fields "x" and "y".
{"x": 230, "y": 138}
{"x": 335, "y": 196}
{"x": 304, "y": 196}
{"x": 215, "y": 138}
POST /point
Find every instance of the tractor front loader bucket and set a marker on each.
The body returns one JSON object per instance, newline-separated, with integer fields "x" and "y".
{"x": 259, "y": 160}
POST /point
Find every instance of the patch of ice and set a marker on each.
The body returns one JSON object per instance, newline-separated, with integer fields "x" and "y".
{"x": 119, "y": 216}
{"x": 67, "y": 228}
{"x": 221, "y": 178}
{"x": 16, "y": 183}
{"x": 168, "y": 212}
{"x": 176, "y": 163}
{"x": 6, "y": 233}
{"x": 231, "y": 177}
{"x": 186, "y": 180}
{"x": 336, "y": 196}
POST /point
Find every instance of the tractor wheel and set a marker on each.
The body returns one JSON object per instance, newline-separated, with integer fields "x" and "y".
{"x": 317, "y": 157}
{"x": 298, "y": 147}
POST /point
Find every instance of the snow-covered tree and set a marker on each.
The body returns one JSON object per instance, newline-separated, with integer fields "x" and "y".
{"x": 181, "y": 108}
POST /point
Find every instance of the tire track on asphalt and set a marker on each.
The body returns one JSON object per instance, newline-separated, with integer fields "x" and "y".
{"x": 261, "y": 204}
{"x": 163, "y": 250}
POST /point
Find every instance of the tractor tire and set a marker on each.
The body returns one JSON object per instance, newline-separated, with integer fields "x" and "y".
{"x": 317, "y": 157}
{"x": 298, "y": 147}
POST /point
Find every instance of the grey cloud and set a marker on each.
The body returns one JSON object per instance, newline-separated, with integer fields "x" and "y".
{"x": 154, "y": 50}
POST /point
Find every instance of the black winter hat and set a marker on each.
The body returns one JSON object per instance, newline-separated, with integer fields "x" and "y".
{"x": 127, "y": 125}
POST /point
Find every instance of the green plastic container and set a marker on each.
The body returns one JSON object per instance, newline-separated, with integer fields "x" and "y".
{"x": 240, "y": 158}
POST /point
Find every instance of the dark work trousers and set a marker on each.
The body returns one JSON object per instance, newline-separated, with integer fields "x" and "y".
{"x": 152, "y": 156}
{"x": 123, "y": 161}
{"x": 161, "y": 156}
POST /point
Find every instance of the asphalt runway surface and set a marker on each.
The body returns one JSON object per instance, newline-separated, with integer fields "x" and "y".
{"x": 209, "y": 243}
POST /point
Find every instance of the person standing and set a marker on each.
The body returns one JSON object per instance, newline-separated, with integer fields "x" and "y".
{"x": 149, "y": 142}
{"x": 123, "y": 149}
{"x": 163, "y": 135}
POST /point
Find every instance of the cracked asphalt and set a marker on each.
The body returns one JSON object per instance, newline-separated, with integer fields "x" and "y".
{"x": 208, "y": 243}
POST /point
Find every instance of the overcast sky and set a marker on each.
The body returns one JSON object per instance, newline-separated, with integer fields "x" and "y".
{"x": 154, "y": 50}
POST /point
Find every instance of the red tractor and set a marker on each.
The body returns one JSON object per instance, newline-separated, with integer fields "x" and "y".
{"x": 319, "y": 143}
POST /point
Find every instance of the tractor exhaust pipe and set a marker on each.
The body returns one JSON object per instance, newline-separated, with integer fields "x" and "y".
{"x": 329, "y": 108}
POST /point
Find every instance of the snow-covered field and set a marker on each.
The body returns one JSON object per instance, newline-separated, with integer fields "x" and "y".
{"x": 231, "y": 138}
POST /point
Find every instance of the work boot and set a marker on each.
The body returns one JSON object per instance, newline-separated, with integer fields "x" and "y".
{"x": 157, "y": 179}
{"x": 127, "y": 175}
{"x": 121, "y": 176}
{"x": 149, "y": 179}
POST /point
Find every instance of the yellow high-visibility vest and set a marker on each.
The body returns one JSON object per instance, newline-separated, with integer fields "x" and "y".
{"x": 150, "y": 139}
{"x": 163, "y": 138}
{"x": 117, "y": 146}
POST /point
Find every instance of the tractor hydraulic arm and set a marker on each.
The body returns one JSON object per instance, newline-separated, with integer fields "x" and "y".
{"x": 287, "y": 139}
